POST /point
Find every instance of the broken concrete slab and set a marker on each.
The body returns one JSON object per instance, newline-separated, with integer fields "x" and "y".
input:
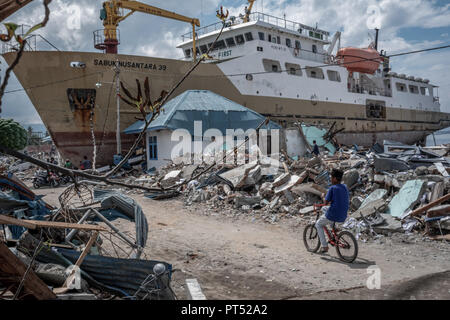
{"x": 369, "y": 209}
{"x": 374, "y": 196}
{"x": 307, "y": 210}
{"x": 350, "y": 178}
{"x": 437, "y": 191}
{"x": 441, "y": 169}
{"x": 284, "y": 178}
{"x": 240, "y": 201}
{"x": 390, "y": 225}
{"x": 309, "y": 188}
{"x": 439, "y": 211}
{"x": 294, "y": 180}
{"x": 408, "y": 196}
{"x": 390, "y": 164}
{"x": 238, "y": 176}
{"x": 171, "y": 178}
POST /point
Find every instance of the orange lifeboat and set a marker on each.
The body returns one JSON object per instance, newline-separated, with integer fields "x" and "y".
{"x": 359, "y": 60}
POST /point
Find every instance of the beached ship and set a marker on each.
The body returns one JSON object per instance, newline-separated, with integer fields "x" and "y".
{"x": 279, "y": 68}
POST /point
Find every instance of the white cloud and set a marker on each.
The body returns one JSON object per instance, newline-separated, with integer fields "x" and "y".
{"x": 155, "y": 36}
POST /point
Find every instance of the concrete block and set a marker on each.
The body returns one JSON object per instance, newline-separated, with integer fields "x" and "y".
{"x": 407, "y": 197}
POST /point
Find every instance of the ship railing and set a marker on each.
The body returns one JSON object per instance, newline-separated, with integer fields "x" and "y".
{"x": 34, "y": 42}
{"x": 301, "y": 29}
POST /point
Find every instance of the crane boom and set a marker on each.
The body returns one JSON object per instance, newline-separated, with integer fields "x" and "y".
{"x": 249, "y": 10}
{"x": 112, "y": 16}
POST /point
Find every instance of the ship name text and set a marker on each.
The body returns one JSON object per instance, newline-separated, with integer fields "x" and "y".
{"x": 130, "y": 64}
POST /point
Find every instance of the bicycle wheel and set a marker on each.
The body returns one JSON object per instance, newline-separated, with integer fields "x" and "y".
{"x": 346, "y": 246}
{"x": 311, "y": 238}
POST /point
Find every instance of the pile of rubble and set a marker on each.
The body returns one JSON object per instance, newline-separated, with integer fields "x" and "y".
{"x": 75, "y": 251}
{"x": 387, "y": 186}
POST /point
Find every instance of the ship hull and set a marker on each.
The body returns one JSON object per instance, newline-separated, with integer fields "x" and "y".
{"x": 47, "y": 77}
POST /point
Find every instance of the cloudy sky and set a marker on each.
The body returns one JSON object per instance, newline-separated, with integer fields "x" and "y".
{"x": 405, "y": 25}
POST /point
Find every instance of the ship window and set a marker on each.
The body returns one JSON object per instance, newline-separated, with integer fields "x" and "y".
{"x": 187, "y": 52}
{"x": 197, "y": 52}
{"x": 423, "y": 90}
{"x": 400, "y": 87}
{"x": 278, "y": 40}
{"x": 249, "y": 36}
{"x": 314, "y": 48}
{"x": 271, "y": 65}
{"x": 220, "y": 45}
{"x": 81, "y": 99}
{"x": 315, "y": 73}
{"x": 274, "y": 39}
{"x": 414, "y": 89}
{"x": 269, "y": 38}
{"x": 297, "y": 44}
{"x": 230, "y": 42}
{"x": 288, "y": 42}
{"x": 204, "y": 48}
{"x": 240, "y": 39}
{"x": 334, "y": 76}
{"x": 294, "y": 69}
{"x": 261, "y": 36}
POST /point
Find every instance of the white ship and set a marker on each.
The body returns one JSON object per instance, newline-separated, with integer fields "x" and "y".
{"x": 282, "y": 69}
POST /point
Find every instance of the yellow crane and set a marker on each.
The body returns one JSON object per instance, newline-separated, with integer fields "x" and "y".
{"x": 112, "y": 15}
{"x": 248, "y": 10}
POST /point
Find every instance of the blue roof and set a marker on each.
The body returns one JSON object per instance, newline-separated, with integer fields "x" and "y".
{"x": 212, "y": 109}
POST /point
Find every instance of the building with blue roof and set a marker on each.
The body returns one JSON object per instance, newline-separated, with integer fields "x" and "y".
{"x": 201, "y": 116}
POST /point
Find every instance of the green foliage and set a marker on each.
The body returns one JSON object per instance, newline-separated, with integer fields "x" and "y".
{"x": 12, "y": 135}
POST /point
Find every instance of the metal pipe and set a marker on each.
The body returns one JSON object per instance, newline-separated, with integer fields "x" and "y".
{"x": 123, "y": 236}
{"x": 75, "y": 231}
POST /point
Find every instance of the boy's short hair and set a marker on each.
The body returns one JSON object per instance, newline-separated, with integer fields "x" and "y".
{"x": 337, "y": 174}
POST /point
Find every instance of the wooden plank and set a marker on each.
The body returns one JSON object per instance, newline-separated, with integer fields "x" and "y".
{"x": 16, "y": 222}
{"x": 33, "y": 224}
{"x": 11, "y": 266}
{"x": 87, "y": 249}
{"x": 430, "y": 205}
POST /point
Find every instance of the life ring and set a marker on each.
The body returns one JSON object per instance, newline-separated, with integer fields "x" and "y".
{"x": 296, "y": 52}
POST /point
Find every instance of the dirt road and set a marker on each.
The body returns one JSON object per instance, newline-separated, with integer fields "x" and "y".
{"x": 242, "y": 258}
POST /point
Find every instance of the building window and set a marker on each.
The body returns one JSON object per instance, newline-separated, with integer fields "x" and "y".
{"x": 249, "y": 36}
{"x": 240, "y": 39}
{"x": 288, "y": 43}
{"x": 314, "y": 48}
{"x": 261, "y": 36}
{"x": 152, "y": 148}
{"x": 204, "y": 48}
{"x": 230, "y": 42}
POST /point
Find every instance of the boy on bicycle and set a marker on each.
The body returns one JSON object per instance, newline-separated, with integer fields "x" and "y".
{"x": 338, "y": 200}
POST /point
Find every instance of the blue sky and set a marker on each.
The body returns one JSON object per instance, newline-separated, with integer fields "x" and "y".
{"x": 405, "y": 25}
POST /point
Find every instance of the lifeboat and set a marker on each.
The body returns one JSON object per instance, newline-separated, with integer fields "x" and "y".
{"x": 359, "y": 60}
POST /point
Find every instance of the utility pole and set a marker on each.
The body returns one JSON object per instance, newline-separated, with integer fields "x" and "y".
{"x": 117, "y": 71}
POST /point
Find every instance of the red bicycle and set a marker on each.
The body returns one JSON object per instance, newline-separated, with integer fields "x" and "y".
{"x": 344, "y": 241}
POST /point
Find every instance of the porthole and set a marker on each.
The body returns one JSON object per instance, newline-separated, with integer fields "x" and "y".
{"x": 249, "y": 77}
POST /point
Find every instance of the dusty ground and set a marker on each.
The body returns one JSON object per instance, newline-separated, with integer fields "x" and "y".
{"x": 243, "y": 258}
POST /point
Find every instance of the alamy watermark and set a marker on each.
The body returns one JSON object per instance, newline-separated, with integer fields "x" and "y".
{"x": 374, "y": 280}
{"x": 213, "y": 145}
